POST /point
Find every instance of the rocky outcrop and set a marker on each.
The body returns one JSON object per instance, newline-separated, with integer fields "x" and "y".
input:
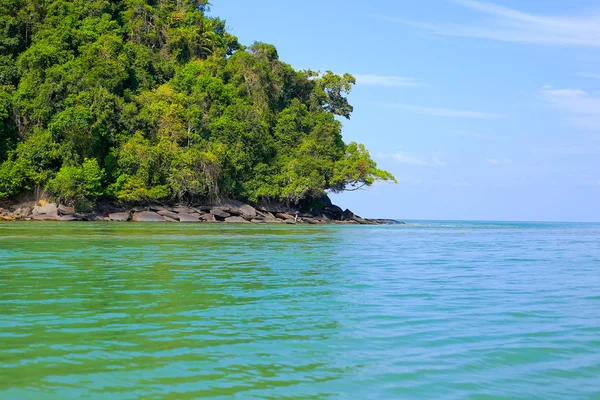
{"x": 225, "y": 211}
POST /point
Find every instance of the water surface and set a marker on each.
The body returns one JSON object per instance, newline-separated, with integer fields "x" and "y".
{"x": 447, "y": 310}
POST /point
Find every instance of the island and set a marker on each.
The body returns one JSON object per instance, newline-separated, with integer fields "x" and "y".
{"x": 138, "y": 108}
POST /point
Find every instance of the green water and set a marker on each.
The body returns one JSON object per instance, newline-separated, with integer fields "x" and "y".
{"x": 429, "y": 310}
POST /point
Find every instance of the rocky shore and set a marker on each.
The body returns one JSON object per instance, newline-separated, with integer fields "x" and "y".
{"x": 227, "y": 211}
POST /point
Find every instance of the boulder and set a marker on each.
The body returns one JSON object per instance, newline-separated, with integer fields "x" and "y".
{"x": 208, "y": 218}
{"x": 285, "y": 216}
{"x": 69, "y": 218}
{"x": 184, "y": 210}
{"x": 259, "y": 221}
{"x": 48, "y": 209}
{"x": 290, "y": 221}
{"x": 23, "y": 212}
{"x": 247, "y": 211}
{"x": 147, "y": 216}
{"x": 119, "y": 216}
{"x": 167, "y": 213}
{"x": 157, "y": 208}
{"x": 236, "y": 220}
{"x": 45, "y": 217}
{"x": 169, "y": 219}
{"x": 64, "y": 210}
{"x": 220, "y": 213}
{"x": 188, "y": 217}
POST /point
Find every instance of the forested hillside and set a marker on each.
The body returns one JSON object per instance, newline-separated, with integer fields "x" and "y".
{"x": 140, "y": 101}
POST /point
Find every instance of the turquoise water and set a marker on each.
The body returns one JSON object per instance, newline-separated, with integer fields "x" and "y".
{"x": 444, "y": 310}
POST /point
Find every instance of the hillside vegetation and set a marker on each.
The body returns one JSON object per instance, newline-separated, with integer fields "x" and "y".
{"x": 142, "y": 101}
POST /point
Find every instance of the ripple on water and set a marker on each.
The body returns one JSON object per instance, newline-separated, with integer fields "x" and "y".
{"x": 431, "y": 310}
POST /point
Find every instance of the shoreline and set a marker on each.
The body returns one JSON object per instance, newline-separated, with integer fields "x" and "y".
{"x": 226, "y": 211}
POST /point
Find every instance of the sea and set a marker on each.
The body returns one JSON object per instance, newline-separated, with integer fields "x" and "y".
{"x": 426, "y": 310}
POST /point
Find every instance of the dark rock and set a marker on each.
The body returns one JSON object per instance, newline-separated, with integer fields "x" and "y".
{"x": 167, "y": 213}
{"x": 220, "y": 213}
{"x": 236, "y": 220}
{"x": 70, "y": 217}
{"x": 188, "y": 218}
{"x": 275, "y": 208}
{"x": 147, "y": 216}
{"x": 119, "y": 216}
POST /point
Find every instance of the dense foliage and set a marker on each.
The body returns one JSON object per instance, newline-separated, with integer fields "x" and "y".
{"x": 141, "y": 100}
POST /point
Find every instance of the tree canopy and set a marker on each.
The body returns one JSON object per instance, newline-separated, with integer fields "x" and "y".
{"x": 145, "y": 100}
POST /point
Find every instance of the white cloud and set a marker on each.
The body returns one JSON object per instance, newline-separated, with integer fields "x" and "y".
{"x": 581, "y": 108}
{"x": 511, "y": 25}
{"x": 401, "y": 157}
{"x": 445, "y": 112}
{"x": 390, "y": 81}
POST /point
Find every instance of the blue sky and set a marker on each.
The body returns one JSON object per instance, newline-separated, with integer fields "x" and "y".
{"x": 482, "y": 110}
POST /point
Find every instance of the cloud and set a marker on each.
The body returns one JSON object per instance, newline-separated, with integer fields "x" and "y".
{"x": 581, "y": 108}
{"x": 496, "y": 161}
{"x": 390, "y": 81}
{"x": 511, "y": 25}
{"x": 401, "y": 157}
{"x": 445, "y": 112}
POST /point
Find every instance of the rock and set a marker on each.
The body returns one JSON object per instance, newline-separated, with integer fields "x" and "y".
{"x": 48, "y": 209}
{"x": 119, "y": 216}
{"x": 208, "y": 218}
{"x": 290, "y": 221}
{"x": 247, "y": 211}
{"x": 167, "y": 213}
{"x": 311, "y": 221}
{"x": 45, "y": 217}
{"x": 220, "y": 213}
{"x": 63, "y": 210}
{"x": 188, "y": 217}
{"x": 275, "y": 208}
{"x": 259, "y": 221}
{"x": 147, "y": 216}
{"x": 236, "y": 220}
{"x": 184, "y": 210}
{"x": 169, "y": 219}
{"x": 157, "y": 208}
{"x": 69, "y": 218}
{"x": 23, "y": 212}
{"x": 285, "y": 216}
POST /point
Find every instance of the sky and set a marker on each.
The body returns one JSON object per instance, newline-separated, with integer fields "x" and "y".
{"x": 482, "y": 110}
